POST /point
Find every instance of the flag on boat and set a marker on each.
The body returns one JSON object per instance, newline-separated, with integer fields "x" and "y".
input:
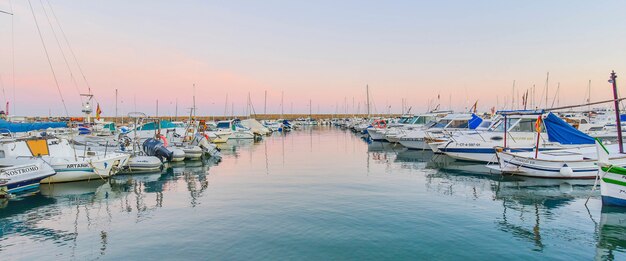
{"x": 98, "y": 112}
{"x": 538, "y": 124}
{"x": 474, "y": 107}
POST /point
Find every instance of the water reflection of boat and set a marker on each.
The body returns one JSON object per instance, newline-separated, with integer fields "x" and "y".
{"x": 550, "y": 193}
{"x": 612, "y": 234}
{"x": 383, "y": 146}
{"x": 23, "y": 213}
{"x": 447, "y": 163}
{"x": 71, "y": 189}
{"x": 414, "y": 155}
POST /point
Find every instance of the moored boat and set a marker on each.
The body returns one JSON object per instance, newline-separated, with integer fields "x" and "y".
{"x": 22, "y": 174}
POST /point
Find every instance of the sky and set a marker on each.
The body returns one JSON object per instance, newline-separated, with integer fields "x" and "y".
{"x": 322, "y": 52}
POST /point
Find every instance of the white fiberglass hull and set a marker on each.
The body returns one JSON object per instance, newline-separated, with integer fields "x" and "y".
{"x": 24, "y": 174}
{"x": 193, "y": 152}
{"x": 143, "y": 164}
{"x": 613, "y": 189}
{"x": 69, "y": 170}
{"x": 414, "y": 143}
{"x": 377, "y": 134}
{"x": 529, "y": 166}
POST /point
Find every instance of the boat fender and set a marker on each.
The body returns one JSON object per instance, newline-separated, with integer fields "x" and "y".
{"x": 164, "y": 140}
{"x": 566, "y": 170}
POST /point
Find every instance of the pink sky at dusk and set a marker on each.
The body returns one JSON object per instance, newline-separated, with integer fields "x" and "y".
{"x": 326, "y": 52}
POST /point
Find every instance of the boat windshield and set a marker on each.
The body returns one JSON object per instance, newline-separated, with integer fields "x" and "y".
{"x": 421, "y": 120}
{"x": 517, "y": 125}
{"x": 458, "y": 124}
{"x": 484, "y": 125}
{"x": 525, "y": 125}
{"x": 223, "y": 125}
{"x": 442, "y": 124}
{"x": 500, "y": 125}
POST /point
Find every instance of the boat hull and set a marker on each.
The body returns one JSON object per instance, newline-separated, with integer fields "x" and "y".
{"x": 25, "y": 176}
{"x": 87, "y": 169}
{"x": 582, "y": 169}
{"x": 613, "y": 189}
{"x": 143, "y": 164}
{"x": 414, "y": 143}
{"x": 377, "y": 134}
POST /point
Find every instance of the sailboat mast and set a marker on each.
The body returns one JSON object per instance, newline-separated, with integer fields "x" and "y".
{"x": 116, "y": 105}
{"x": 589, "y": 100}
{"x": 265, "y": 104}
{"x": 194, "y": 100}
{"x": 367, "y": 90}
{"x": 547, "y": 86}
{"x": 513, "y": 97}
{"x": 282, "y": 104}
{"x": 226, "y": 107}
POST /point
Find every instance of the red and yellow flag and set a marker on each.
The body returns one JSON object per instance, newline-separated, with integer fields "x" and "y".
{"x": 538, "y": 124}
{"x": 98, "y": 112}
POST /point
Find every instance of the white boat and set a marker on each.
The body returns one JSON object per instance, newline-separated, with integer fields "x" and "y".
{"x": 235, "y": 129}
{"x": 142, "y": 163}
{"x": 70, "y": 163}
{"x": 22, "y": 174}
{"x": 377, "y": 130}
{"x": 577, "y": 161}
{"x": 418, "y": 122}
{"x": 256, "y": 127}
{"x": 192, "y": 152}
{"x": 521, "y": 136}
{"x": 178, "y": 154}
{"x": 612, "y": 178}
{"x": 580, "y": 163}
{"x": 417, "y": 139}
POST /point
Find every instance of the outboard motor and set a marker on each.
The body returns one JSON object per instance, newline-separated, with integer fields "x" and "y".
{"x": 154, "y": 147}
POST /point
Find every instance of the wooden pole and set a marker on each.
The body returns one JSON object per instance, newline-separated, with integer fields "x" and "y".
{"x": 617, "y": 114}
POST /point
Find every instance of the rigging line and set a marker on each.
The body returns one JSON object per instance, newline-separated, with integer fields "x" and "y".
{"x": 67, "y": 64}
{"x": 12, "y": 53}
{"x": 48, "y": 57}
{"x": 4, "y": 95}
{"x": 80, "y": 68}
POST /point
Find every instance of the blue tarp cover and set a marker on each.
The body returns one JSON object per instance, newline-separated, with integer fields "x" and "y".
{"x": 622, "y": 117}
{"x": 30, "y": 126}
{"x": 474, "y": 122}
{"x": 153, "y": 125}
{"x": 561, "y": 132}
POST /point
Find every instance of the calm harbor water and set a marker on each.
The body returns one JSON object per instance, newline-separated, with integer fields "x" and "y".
{"x": 316, "y": 194}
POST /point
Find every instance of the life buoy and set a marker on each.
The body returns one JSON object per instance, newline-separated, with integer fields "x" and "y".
{"x": 381, "y": 124}
{"x": 164, "y": 140}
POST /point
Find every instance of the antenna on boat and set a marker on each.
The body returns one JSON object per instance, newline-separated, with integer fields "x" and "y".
{"x": 87, "y": 109}
{"x": 618, "y": 121}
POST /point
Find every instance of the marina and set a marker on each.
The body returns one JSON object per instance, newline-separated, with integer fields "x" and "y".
{"x": 320, "y": 192}
{"x": 282, "y": 130}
